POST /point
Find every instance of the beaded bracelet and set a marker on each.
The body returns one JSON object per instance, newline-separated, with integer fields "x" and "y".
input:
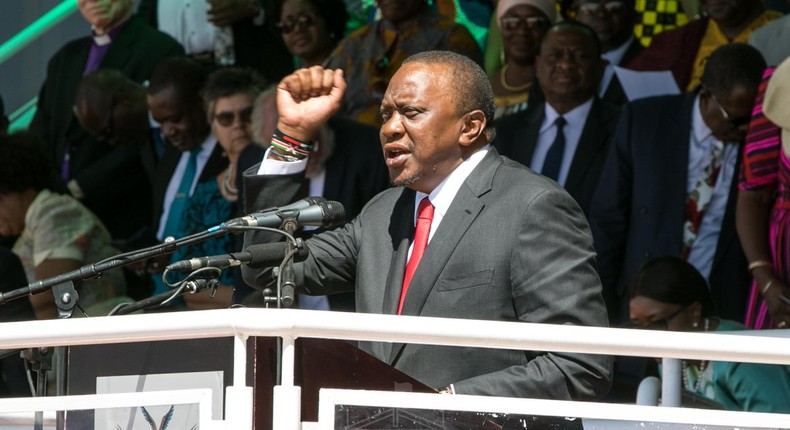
{"x": 759, "y": 263}
{"x": 288, "y": 146}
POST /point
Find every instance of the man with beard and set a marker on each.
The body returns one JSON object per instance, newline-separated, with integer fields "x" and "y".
{"x": 493, "y": 240}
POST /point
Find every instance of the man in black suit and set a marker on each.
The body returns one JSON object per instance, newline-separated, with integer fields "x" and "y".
{"x": 613, "y": 22}
{"x": 569, "y": 70}
{"x": 495, "y": 241}
{"x": 109, "y": 180}
{"x": 650, "y": 200}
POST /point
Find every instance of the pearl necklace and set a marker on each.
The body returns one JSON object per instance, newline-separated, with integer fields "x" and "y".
{"x": 700, "y": 370}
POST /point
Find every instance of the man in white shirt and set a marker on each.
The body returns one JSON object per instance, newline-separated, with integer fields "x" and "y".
{"x": 566, "y": 137}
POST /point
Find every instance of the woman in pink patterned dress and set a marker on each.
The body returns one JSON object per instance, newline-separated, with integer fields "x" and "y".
{"x": 763, "y": 211}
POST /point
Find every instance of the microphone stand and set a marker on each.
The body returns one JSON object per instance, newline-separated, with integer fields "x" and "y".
{"x": 286, "y": 285}
{"x": 64, "y": 288}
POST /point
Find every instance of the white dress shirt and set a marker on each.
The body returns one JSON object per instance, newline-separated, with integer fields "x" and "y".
{"x": 175, "y": 180}
{"x": 704, "y": 248}
{"x": 575, "y": 120}
{"x": 613, "y": 58}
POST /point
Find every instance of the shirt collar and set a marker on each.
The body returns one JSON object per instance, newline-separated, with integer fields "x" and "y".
{"x": 443, "y": 195}
{"x": 577, "y": 115}
{"x": 615, "y": 56}
{"x": 699, "y": 130}
{"x": 106, "y": 38}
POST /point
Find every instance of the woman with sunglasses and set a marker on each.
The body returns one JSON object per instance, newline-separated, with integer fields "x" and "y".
{"x": 229, "y": 95}
{"x": 311, "y": 29}
{"x": 667, "y": 293}
{"x": 523, "y": 24}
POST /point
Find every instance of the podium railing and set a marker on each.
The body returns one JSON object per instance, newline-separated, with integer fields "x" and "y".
{"x": 290, "y": 324}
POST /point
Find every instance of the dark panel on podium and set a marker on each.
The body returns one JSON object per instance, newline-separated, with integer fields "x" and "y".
{"x": 324, "y": 363}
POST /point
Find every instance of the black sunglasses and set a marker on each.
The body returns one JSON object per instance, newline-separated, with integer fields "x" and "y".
{"x": 303, "y": 20}
{"x": 227, "y": 119}
{"x": 734, "y": 122}
{"x": 662, "y": 324}
{"x": 510, "y": 22}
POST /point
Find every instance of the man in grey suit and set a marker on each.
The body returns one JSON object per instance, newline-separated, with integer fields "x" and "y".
{"x": 505, "y": 244}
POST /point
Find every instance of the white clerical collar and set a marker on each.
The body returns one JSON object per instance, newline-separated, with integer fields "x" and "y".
{"x": 101, "y": 39}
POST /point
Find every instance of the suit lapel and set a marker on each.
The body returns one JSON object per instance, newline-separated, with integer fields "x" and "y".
{"x": 675, "y": 159}
{"x": 464, "y": 209}
{"x": 526, "y": 138}
{"x": 593, "y": 138}
{"x": 403, "y": 231}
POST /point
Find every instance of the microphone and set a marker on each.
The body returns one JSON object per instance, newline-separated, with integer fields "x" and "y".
{"x": 255, "y": 256}
{"x": 312, "y": 211}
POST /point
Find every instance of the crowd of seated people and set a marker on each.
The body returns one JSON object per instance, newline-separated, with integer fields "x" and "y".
{"x": 145, "y": 127}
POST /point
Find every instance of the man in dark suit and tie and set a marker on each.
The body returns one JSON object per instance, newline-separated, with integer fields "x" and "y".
{"x": 566, "y": 137}
{"x": 493, "y": 240}
{"x": 669, "y": 184}
{"x": 108, "y": 179}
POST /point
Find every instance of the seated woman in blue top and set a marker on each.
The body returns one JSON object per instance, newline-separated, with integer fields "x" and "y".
{"x": 667, "y": 293}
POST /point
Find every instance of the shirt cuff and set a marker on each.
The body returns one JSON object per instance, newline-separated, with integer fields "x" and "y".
{"x": 277, "y": 167}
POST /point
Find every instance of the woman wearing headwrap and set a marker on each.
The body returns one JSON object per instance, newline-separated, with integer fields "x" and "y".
{"x": 523, "y": 24}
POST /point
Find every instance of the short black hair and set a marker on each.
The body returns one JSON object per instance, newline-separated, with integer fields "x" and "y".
{"x": 578, "y": 26}
{"x": 24, "y": 164}
{"x": 672, "y": 280}
{"x": 733, "y": 65}
{"x": 184, "y": 75}
{"x": 471, "y": 87}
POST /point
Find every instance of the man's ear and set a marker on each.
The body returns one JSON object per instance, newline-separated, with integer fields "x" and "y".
{"x": 473, "y": 126}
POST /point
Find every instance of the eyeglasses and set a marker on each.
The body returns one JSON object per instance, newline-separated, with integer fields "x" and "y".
{"x": 734, "y": 122}
{"x": 595, "y": 8}
{"x": 303, "y": 20}
{"x": 663, "y": 323}
{"x": 227, "y": 119}
{"x": 511, "y": 22}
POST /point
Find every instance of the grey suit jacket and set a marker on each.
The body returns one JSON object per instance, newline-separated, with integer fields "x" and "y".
{"x": 512, "y": 247}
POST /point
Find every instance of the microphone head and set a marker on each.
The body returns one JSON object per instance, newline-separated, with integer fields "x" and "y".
{"x": 333, "y": 213}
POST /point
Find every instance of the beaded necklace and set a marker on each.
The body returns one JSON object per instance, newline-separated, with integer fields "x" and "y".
{"x": 700, "y": 370}
{"x": 229, "y": 192}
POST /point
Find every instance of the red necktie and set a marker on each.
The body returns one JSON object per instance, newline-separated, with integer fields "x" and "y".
{"x": 424, "y": 218}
